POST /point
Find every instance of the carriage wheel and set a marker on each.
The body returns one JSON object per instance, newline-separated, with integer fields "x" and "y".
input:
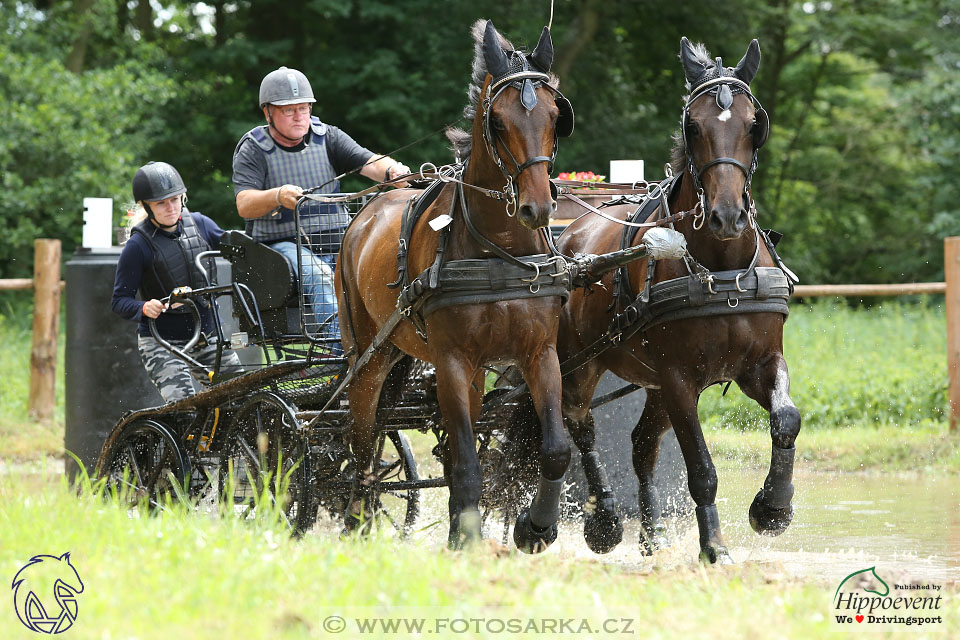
{"x": 147, "y": 465}
{"x": 266, "y": 458}
{"x": 392, "y": 505}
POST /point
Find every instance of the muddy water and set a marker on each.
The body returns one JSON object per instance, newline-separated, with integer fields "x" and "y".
{"x": 907, "y": 525}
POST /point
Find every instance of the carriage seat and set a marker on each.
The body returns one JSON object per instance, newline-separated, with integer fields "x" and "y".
{"x": 271, "y": 278}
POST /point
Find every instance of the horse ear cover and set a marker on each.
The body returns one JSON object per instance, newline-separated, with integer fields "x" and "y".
{"x": 748, "y": 65}
{"x": 492, "y": 52}
{"x": 692, "y": 68}
{"x": 542, "y": 55}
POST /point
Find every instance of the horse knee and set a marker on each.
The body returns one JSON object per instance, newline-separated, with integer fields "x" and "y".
{"x": 703, "y": 485}
{"x": 784, "y": 426}
{"x": 554, "y": 459}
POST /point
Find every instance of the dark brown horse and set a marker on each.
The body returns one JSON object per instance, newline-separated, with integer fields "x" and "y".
{"x": 676, "y": 359}
{"x": 516, "y": 121}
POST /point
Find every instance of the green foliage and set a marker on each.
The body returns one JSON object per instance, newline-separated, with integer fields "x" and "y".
{"x": 863, "y": 159}
{"x": 882, "y": 365}
{"x": 66, "y": 136}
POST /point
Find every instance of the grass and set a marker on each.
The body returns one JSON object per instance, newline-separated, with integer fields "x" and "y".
{"x": 928, "y": 447}
{"x": 883, "y": 365}
{"x": 189, "y": 576}
{"x": 20, "y": 435}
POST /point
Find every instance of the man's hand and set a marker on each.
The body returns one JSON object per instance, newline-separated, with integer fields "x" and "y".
{"x": 153, "y": 308}
{"x": 288, "y": 195}
{"x": 398, "y": 169}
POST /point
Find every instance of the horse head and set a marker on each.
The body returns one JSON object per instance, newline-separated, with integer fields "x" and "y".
{"x": 723, "y": 128}
{"x": 518, "y": 115}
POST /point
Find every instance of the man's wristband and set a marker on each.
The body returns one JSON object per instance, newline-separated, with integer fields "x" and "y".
{"x": 279, "y": 189}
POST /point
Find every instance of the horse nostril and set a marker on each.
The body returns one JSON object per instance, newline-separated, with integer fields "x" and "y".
{"x": 716, "y": 221}
{"x": 743, "y": 219}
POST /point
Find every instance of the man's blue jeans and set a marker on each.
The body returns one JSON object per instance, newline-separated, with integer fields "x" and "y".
{"x": 317, "y": 294}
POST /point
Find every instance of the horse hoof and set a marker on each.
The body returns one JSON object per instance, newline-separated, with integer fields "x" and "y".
{"x": 464, "y": 530}
{"x": 715, "y": 555}
{"x": 768, "y": 521}
{"x": 653, "y": 541}
{"x": 531, "y": 539}
{"x": 602, "y": 531}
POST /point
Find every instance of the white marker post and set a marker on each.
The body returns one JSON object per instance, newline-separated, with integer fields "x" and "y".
{"x": 97, "y": 223}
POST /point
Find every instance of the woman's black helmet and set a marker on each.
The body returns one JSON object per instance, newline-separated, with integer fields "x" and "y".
{"x": 157, "y": 181}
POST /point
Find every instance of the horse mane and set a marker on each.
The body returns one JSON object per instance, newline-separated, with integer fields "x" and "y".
{"x": 462, "y": 139}
{"x": 678, "y": 154}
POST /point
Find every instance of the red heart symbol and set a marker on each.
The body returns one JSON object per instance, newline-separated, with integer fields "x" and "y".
{"x": 859, "y": 618}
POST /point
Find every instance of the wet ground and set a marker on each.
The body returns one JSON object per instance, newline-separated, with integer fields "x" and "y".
{"x": 907, "y": 525}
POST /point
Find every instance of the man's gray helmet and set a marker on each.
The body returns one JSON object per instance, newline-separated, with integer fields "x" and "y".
{"x": 285, "y": 86}
{"x": 157, "y": 181}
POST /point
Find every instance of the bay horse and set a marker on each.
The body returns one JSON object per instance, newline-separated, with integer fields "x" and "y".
{"x": 518, "y": 114}
{"x": 676, "y": 358}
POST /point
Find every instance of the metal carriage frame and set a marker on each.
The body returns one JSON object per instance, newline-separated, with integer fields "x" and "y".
{"x": 212, "y": 442}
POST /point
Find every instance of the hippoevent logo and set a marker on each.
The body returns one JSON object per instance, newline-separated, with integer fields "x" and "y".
{"x": 45, "y": 593}
{"x": 866, "y": 600}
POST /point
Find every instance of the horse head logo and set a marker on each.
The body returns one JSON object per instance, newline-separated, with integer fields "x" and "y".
{"x": 867, "y": 578}
{"x": 45, "y": 593}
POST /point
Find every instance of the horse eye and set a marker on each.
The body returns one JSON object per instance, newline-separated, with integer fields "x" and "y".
{"x": 496, "y": 123}
{"x": 692, "y": 129}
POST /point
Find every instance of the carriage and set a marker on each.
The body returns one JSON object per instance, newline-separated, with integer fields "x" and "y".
{"x": 269, "y": 429}
{"x": 436, "y": 286}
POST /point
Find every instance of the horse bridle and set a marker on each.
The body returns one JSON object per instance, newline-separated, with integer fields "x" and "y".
{"x": 724, "y": 88}
{"x": 526, "y": 81}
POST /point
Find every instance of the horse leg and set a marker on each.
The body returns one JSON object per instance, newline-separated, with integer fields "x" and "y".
{"x": 602, "y": 528}
{"x": 681, "y": 404}
{"x": 462, "y": 465}
{"x": 646, "y": 438}
{"x": 536, "y": 526}
{"x": 771, "y": 511}
{"x": 364, "y": 394}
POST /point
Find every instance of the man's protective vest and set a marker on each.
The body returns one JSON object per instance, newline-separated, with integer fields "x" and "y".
{"x": 309, "y": 167}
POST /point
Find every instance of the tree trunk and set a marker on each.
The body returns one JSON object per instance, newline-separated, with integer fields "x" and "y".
{"x": 581, "y": 33}
{"x": 143, "y": 20}
{"x": 78, "y": 52}
{"x": 219, "y": 23}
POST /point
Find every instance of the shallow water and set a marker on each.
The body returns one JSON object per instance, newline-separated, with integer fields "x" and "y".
{"x": 843, "y": 522}
{"x": 906, "y": 525}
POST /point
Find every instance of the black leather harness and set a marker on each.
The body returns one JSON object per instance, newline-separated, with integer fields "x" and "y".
{"x": 471, "y": 281}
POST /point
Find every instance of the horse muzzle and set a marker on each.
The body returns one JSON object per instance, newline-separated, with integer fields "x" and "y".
{"x": 535, "y": 215}
{"x": 727, "y": 222}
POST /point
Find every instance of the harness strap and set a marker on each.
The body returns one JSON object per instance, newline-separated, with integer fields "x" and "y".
{"x": 482, "y": 240}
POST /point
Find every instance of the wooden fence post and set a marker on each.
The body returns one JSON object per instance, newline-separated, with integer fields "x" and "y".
{"x": 951, "y": 264}
{"x": 46, "y": 324}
